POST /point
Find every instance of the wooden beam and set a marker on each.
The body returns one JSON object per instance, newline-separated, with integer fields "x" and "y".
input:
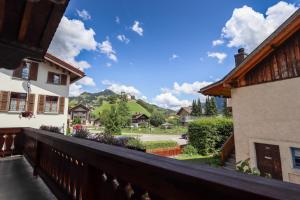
{"x": 25, "y": 20}
{"x": 53, "y": 21}
{"x": 2, "y": 14}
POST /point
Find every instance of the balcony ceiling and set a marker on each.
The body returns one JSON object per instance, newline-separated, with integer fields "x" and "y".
{"x": 27, "y": 28}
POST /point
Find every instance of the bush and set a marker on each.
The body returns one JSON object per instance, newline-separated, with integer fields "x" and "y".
{"x": 244, "y": 167}
{"x": 81, "y": 133}
{"x": 157, "y": 119}
{"x": 190, "y": 150}
{"x": 136, "y": 144}
{"x": 76, "y": 121}
{"x": 208, "y": 134}
{"x": 53, "y": 129}
{"x": 159, "y": 144}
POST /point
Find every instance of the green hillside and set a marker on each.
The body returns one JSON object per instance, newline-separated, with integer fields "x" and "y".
{"x": 133, "y": 106}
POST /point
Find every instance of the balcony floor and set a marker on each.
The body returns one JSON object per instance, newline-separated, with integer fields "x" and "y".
{"x": 17, "y": 181}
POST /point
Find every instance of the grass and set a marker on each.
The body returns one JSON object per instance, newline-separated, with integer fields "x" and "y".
{"x": 174, "y": 131}
{"x": 212, "y": 160}
{"x": 132, "y": 105}
{"x": 149, "y": 145}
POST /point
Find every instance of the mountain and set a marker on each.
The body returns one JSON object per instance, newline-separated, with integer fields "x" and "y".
{"x": 100, "y": 101}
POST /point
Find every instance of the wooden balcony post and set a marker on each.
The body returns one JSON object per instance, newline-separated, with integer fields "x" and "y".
{"x": 37, "y": 157}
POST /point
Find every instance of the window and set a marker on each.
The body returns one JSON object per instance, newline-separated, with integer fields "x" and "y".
{"x": 17, "y": 101}
{"x": 57, "y": 79}
{"x": 25, "y": 71}
{"x": 296, "y": 157}
{"x": 51, "y": 104}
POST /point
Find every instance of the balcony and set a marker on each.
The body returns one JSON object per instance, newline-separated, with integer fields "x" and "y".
{"x": 75, "y": 168}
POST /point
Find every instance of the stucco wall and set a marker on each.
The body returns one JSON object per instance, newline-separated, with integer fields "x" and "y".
{"x": 268, "y": 113}
{"x": 11, "y": 119}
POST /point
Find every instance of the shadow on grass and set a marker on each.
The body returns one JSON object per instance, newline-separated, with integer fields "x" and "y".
{"x": 212, "y": 160}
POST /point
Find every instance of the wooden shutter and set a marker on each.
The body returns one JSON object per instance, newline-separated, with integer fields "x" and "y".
{"x": 18, "y": 72}
{"x": 41, "y": 104}
{"x": 50, "y": 77}
{"x": 4, "y": 101}
{"x": 63, "y": 79}
{"x": 34, "y": 67}
{"x": 61, "y": 105}
{"x": 30, "y": 102}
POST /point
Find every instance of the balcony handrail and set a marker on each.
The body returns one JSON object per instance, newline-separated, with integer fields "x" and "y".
{"x": 227, "y": 148}
{"x": 164, "y": 177}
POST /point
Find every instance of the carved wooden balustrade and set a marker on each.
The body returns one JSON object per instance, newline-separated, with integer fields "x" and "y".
{"x": 80, "y": 169}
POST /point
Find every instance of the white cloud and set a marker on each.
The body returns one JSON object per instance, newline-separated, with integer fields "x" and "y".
{"x": 107, "y": 49}
{"x": 144, "y": 98}
{"x": 118, "y": 88}
{"x": 108, "y": 64}
{"x": 123, "y": 38}
{"x": 174, "y": 56}
{"x": 137, "y": 28}
{"x": 83, "y": 14}
{"x": 189, "y": 88}
{"x": 87, "y": 81}
{"x": 70, "y": 39}
{"x": 218, "y": 55}
{"x": 168, "y": 100}
{"x": 248, "y": 28}
{"x": 217, "y": 42}
{"x": 117, "y": 20}
{"x": 75, "y": 90}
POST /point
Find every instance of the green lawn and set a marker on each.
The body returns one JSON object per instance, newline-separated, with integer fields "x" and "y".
{"x": 176, "y": 130}
{"x": 212, "y": 160}
{"x": 132, "y": 105}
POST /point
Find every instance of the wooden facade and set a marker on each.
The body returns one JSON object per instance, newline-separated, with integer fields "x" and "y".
{"x": 282, "y": 63}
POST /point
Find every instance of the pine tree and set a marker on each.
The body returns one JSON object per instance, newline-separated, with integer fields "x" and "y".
{"x": 199, "y": 108}
{"x": 213, "y": 106}
{"x": 207, "y": 107}
{"x": 194, "y": 108}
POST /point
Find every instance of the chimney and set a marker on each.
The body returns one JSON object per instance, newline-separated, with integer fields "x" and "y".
{"x": 240, "y": 56}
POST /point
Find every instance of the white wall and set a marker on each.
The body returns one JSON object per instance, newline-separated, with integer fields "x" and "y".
{"x": 268, "y": 113}
{"x": 8, "y": 83}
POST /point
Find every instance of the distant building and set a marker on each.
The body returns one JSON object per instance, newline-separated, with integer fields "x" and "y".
{"x": 139, "y": 118}
{"x": 81, "y": 112}
{"x": 184, "y": 114}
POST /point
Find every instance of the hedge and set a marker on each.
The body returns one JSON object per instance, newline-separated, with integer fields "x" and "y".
{"x": 159, "y": 144}
{"x": 208, "y": 134}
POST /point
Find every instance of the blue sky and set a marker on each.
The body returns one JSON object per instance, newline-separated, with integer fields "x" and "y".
{"x": 161, "y": 51}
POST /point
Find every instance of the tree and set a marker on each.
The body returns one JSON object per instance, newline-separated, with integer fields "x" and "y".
{"x": 124, "y": 113}
{"x": 76, "y": 121}
{"x": 199, "y": 108}
{"x": 157, "y": 119}
{"x": 194, "y": 109}
{"x": 112, "y": 99}
{"x": 112, "y": 123}
{"x": 213, "y": 106}
{"x": 225, "y": 109}
{"x": 210, "y": 106}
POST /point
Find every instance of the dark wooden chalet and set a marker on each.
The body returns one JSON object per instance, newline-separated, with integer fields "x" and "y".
{"x": 139, "y": 118}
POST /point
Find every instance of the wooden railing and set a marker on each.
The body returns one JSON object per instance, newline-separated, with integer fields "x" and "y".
{"x": 10, "y": 141}
{"x": 80, "y": 169}
{"x": 227, "y": 148}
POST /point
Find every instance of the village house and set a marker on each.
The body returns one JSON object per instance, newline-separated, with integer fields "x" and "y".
{"x": 80, "y": 112}
{"x": 184, "y": 114}
{"x": 41, "y": 88}
{"x": 265, "y": 100}
{"x": 138, "y": 119}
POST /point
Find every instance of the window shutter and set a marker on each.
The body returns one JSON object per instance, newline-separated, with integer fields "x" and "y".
{"x": 30, "y": 102}
{"x": 63, "y": 79}
{"x": 18, "y": 72}
{"x": 4, "y": 100}
{"x": 34, "y": 67}
{"x": 41, "y": 104}
{"x": 50, "y": 77}
{"x": 61, "y": 105}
